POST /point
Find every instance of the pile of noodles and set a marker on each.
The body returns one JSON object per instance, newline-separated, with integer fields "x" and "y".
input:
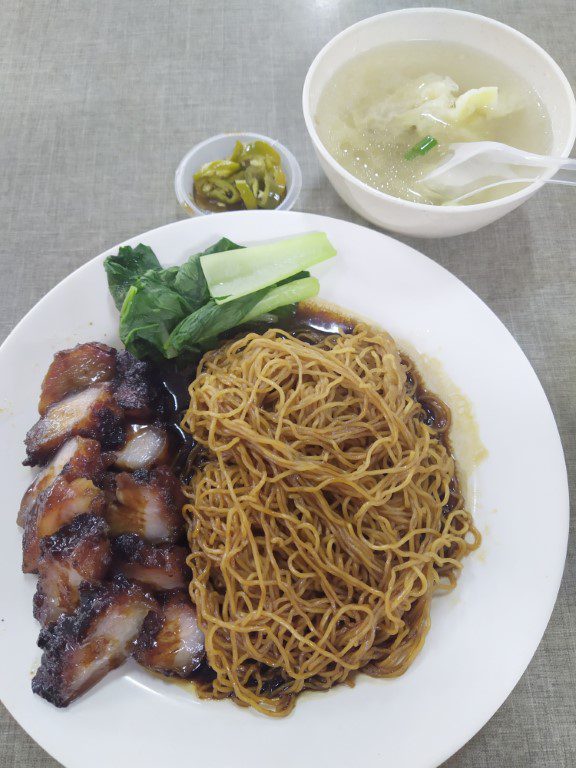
{"x": 324, "y": 520}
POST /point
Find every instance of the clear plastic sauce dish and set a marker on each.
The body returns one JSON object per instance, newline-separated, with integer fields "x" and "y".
{"x": 221, "y": 147}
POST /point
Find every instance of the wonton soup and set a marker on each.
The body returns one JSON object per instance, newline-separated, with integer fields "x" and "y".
{"x": 389, "y": 115}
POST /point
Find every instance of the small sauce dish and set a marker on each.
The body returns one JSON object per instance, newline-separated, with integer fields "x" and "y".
{"x": 219, "y": 147}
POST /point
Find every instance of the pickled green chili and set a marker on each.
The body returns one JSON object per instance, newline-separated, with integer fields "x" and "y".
{"x": 252, "y": 177}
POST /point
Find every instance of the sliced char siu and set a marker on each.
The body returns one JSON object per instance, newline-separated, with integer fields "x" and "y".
{"x": 79, "y": 649}
{"x": 146, "y": 446}
{"x": 92, "y": 413}
{"x": 73, "y": 370}
{"x": 134, "y": 390}
{"x": 78, "y": 552}
{"x": 85, "y": 365}
{"x": 157, "y": 567}
{"x": 78, "y": 457}
{"x": 101, "y": 539}
{"x": 171, "y": 641}
{"x": 55, "y": 507}
{"x": 148, "y": 503}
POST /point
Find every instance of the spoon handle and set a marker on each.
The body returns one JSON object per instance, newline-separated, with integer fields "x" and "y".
{"x": 542, "y": 161}
{"x": 565, "y": 173}
{"x": 555, "y": 180}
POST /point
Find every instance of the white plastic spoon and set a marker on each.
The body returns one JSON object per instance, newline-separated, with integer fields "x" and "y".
{"x": 516, "y": 180}
{"x": 472, "y": 163}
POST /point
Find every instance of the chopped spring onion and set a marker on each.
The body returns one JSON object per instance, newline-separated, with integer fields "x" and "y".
{"x": 421, "y": 148}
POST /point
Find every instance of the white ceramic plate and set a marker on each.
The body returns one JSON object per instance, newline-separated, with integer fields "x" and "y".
{"x": 483, "y": 635}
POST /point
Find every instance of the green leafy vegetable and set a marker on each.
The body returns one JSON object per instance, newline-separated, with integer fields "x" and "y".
{"x": 168, "y": 313}
{"x": 297, "y": 276}
{"x": 282, "y": 295}
{"x": 161, "y": 298}
{"x": 191, "y": 283}
{"x": 150, "y": 311}
{"x": 191, "y": 335}
{"x": 222, "y": 245}
{"x": 421, "y": 148}
{"x": 190, "y": 280}
{"x": 260, "y": 266}
{"x": 208, "y": 322}
{"x": 127, "y": 265}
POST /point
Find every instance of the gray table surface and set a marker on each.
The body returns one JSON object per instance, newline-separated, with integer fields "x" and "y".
{"x": 98, "y": 103}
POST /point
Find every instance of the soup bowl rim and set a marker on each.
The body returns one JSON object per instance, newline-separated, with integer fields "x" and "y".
{"x": 458, "y": 210}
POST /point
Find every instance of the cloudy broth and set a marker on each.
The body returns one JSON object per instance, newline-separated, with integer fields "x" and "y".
{"x": 380, "y": 104}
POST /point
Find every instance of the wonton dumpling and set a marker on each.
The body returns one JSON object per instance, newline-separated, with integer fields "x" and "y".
{"x": 429, "y": 104}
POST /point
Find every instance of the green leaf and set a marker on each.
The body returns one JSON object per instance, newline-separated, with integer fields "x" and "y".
{"x": 297, "y": 276}
{"x": 191, "y": 283}
{"x": 190, "y": 280}
{"x": 283, "y": 295}
{"x": 208, "y": 322}
{"x": 153, "y": 300}
{"x": 125, "y": 267}
{"x": 213, "y": 319}
{"x": 169, "y": 312}
{"x": 150, "y": 311}
{"x": 222, "y": 245}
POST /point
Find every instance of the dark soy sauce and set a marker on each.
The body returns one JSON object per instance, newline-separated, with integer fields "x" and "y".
{"x": 173, "y": 383}
{"x": 435, "y": 414}
{"x": 311, "y": 318}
